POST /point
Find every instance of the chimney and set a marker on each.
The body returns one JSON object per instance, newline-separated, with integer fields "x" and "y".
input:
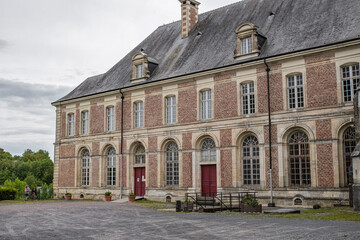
{"x": 189, "y": 16}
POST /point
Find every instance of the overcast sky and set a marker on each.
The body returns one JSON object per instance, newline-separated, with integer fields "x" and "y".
{"x": 48, "y": 47}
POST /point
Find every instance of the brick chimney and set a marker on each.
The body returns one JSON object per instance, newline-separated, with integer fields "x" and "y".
{"x": 189, "y": 16}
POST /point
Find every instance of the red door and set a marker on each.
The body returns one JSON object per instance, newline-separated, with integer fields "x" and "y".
{"x": 139, "y": 181}
{"x": 208, "y": 180}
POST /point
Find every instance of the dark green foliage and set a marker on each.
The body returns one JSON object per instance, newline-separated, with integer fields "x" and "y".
{"x": 248, "y": 200}
{"x": 7, "y": 193}
{"x": 35, "y": 168}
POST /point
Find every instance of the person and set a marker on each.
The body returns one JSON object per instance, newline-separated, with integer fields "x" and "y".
{"x": 33, "y": 193}
{"x": 27, "y": 190}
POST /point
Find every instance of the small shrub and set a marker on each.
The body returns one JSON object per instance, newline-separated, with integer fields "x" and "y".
{"x": 248, "y": 200}
{"x": 7, "y": 193}
{"x": 67, "y": 194}
{"x": 132, "y": 194}
{"x": 107, "y": 194}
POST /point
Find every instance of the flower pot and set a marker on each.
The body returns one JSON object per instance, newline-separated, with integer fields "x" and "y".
{"x": 131, "y": 198}
{"x": 108, "y": 198}
{"x": 67, "y": 197}
{"x": 251, "y": 209}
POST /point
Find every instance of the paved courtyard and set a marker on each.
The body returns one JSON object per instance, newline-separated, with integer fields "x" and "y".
{"x": 101, "y": 220}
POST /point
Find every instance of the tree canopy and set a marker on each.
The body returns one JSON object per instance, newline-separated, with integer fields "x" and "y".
{"x": 32, "y": 167}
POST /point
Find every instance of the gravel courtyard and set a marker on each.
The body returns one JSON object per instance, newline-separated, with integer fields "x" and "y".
{"x": 102, "y": 220}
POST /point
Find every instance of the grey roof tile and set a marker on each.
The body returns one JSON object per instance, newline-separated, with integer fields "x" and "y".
{"x": 296, "y": 25}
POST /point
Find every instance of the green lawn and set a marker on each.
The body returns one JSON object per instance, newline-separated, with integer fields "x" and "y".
{"x": 14, "y": 202}
{"x": 336, "y": 213}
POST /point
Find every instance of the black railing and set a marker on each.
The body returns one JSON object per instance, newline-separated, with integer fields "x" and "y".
{"x": 211, "y": 202}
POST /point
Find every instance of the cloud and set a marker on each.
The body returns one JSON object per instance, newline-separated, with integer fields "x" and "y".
{"x": 3, "y": 44}
{"x": 27, "y": 119}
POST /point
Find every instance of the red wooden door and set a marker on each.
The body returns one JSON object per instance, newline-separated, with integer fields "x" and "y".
{"x": 139, "y": 180}
{"x": 208, "y": 180}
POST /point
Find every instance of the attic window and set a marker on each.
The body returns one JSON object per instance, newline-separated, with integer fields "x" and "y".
{"x": 249, "y": 41}
{"x": 142, "y": 66}
{"x": 139, "y": 71}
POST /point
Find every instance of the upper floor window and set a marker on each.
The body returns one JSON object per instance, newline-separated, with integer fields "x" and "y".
{"x": 170, "y": 110}
{"x": 139, "y": 71}
{"x": 139, "y": 155}
{"x": 138, "y": 114}
{"x": 85, "y": 168}
{"x": 246, "y": 45}
{"x": 295, "y": 91}
{"x": 208, "y": 151}
{"x": 110, "y": 114}
{"x": 111, "y": 167}
{"x": 350, "y": 80}
{"x": 85, "y": 122}
{"x": 206, "y": 106}
{"x": 172, "y": 164}
{"x": 71, "y": 124}
{"x": 248, "y": 98}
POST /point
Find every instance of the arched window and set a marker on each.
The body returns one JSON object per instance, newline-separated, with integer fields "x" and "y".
{"x": 85, "y": 168}
{"x": 250, "y": 160}
{"x": 111, "y": 167}
{"x": 349, "y": 145}
{"x": 172, "y": 164}
{"x": 208, "y": 151}
{"x": 139, "y": 155}
{"x": 299, "y": 159}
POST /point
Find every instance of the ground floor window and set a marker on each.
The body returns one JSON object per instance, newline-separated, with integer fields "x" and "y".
{"x": 349, "y": 144}
{"x": 251, "y": 161}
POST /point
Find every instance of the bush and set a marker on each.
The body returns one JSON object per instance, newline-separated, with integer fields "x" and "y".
{"x": 18, "y": 185}
{"x": 7, "y": 193}
{"x": 248, "y": 200}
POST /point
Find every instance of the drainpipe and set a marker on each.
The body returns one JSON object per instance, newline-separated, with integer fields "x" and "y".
{"x": 121, "y": 143}
{"x": 271, "y": 204}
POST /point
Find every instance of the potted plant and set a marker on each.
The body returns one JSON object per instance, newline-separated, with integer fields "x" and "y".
{"x": 250, "y": 205}
{"x": 132, "y": 197}
{"x": 108, "y": 196}
{"x": 67, "y": 196}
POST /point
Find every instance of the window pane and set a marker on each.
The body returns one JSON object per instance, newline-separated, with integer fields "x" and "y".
{"x": 250, "y": 160}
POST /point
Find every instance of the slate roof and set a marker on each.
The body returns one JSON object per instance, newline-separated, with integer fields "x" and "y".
{"x": 295, "y": 25}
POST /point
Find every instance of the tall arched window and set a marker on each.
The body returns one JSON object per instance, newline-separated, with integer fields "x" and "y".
{"x": 85, "y": 168}
{"x": 111, "y": 167}
{"x": 250, "y": 160}
{"x": 139, "y": 155}
{"x": 208, "y": 151}
{"x": 172, "y": 164}
{"x": 299, "y": 159}
{"x": 349, "y": 145}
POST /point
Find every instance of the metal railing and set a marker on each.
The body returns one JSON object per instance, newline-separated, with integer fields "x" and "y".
{"x": 211, "y": 201}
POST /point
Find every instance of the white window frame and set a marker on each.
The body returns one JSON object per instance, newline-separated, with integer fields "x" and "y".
{"x": 71, "y": 124}
{"x": 85, "y": 122}
{"x": 248, "y": 98}
{"x": 172, "y": 164}
{"x": 110, "y": 117}
{"x": 205, "y": 104}
{"x": 295, "y": 91}
{"x": 139, "y": 71}
{"x": 208, "y": 150}
{"x": 138, "y": 114}
{"x": 348, "y": 90}
{"x": 111, "y": 167}
{"x": 246, "y": 45}
{"x": 85, "y": 168}
{"x": 170, "y": 109}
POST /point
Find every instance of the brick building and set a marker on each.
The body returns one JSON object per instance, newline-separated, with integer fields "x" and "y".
{"x": 187, "y": 110}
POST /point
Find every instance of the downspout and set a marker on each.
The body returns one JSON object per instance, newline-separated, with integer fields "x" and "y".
{"x": 271, "y": 204}
{"x": 121, "y": 143}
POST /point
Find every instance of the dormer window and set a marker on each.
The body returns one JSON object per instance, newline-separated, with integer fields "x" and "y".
{"x": 246, "y": 45}
{"x": 249, "y": 41}
{"x": 139, "y": 71}
{"x": 143, "y": 66}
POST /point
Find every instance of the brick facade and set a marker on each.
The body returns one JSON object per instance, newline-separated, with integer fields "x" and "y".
{"x": 226, "y": 168}
{"x": 323, "y": 129}
{"x": 97, "y": 119}
{"x": 325, "y": 165}
{"x": 152, "y": 178}
{"x": 187, "y": 103}
{"x": 187, "y": 169}
{"x": 66, "y": 173}
{"x": 225, "y": 105}
{"x": 153, "y": 107}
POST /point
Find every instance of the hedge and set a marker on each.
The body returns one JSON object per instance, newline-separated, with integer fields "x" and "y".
{"x": 7, "y": 193}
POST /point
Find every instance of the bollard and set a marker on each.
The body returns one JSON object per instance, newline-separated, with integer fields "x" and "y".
{"x": 178, "y": 206}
